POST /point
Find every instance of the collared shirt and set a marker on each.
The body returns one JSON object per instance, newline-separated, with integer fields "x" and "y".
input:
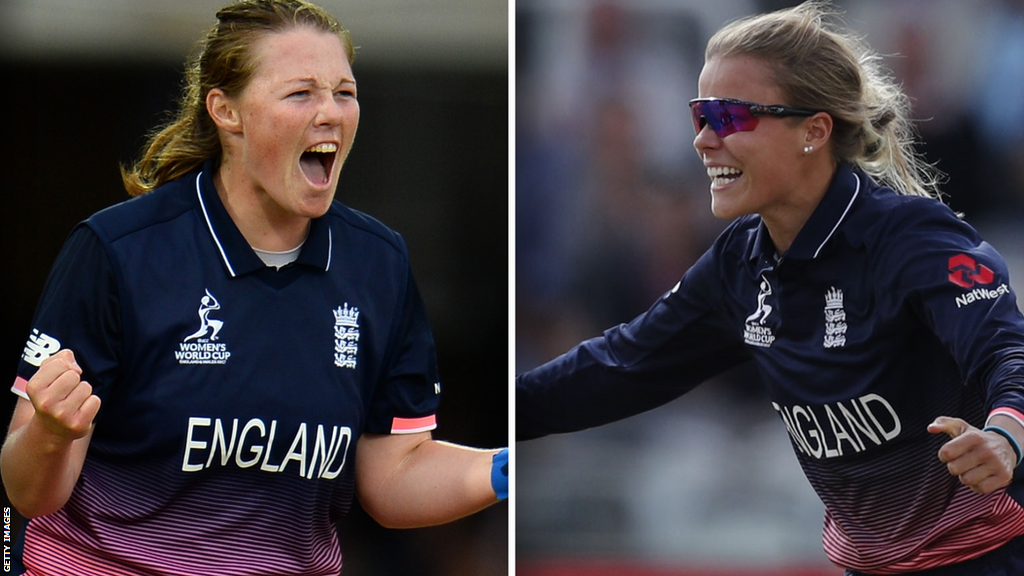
{"x": 886, "y": 312}
{"x": 233, "y": 394}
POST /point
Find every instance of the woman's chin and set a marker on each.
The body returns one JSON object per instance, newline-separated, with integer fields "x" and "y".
{"x": 724, "y": 210}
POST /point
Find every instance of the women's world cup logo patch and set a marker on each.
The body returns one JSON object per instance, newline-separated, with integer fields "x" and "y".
{"x": 755, "y": 332}
{"x": 203, "y": 345}
{"x": 346, "y": 336}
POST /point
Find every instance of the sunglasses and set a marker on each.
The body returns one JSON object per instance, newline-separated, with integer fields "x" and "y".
{"x": 726, "y": 115}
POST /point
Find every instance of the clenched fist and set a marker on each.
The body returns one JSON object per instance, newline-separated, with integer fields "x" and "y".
{"x": 63, "y": 402}
{"x": 984, "y": 461}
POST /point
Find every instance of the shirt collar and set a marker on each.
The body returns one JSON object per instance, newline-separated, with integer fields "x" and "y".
{"x": 236, "y": 254}
{"x": 824, "y": 222}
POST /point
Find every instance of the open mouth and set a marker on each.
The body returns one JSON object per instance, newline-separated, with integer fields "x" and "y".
{"x": 721, "y": 175}
{"x": 317, "y": 161}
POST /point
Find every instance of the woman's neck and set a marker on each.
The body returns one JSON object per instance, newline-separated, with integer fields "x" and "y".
{"x": 785, "y": 221}
{"x": 262, "y": 223}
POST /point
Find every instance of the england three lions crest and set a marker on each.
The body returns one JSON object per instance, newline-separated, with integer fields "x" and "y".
{"x": 835, "y": 319}
{"x": 346, "y": 336}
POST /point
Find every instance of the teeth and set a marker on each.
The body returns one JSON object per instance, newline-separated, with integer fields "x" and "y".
{"x": 325, "y": 148}
{"x": 723, "y": 172}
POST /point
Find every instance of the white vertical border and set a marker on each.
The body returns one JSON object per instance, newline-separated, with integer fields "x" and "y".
{"x": 511, "y": 285}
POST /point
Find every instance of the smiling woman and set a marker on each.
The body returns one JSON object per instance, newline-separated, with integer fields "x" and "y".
{"x": 850, "y": 288}
{"x": 235, "y": 344}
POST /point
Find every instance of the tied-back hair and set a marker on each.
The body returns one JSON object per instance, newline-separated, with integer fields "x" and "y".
{"x": 221, "y": 59}
{"x": 820, "y": 66}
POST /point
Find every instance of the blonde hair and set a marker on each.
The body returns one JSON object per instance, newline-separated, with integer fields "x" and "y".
{"x": 819, "y": 66}
{"x": 222, "y": 59}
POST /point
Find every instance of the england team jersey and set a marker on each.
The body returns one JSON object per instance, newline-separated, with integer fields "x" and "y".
{"x": 886, "y": 312}
{"x": 233, "y": 394}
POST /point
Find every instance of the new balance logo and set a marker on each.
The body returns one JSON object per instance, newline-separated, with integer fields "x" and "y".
{"x": 39, "y": 347}
{"x": 965, "y": 272}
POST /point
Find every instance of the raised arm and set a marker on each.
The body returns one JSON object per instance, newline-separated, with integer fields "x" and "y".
{"x": 48, "y": 437}
{"x": 411, "y": 481}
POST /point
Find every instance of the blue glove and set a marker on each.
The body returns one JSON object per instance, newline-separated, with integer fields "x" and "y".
{"x": 499, "y": 474}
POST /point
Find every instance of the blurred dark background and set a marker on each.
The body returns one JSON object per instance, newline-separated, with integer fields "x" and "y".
{"x": 84, "y": 83}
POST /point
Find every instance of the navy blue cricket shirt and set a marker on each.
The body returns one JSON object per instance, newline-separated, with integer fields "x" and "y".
{"x": 233, "y": 394}
{"x": 886, "y": 312}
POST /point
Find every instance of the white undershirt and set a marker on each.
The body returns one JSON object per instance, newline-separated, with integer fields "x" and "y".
{"x": 279, "y": 259}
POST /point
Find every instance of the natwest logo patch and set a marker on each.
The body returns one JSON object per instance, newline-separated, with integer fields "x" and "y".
{"x": 965, "y": 272}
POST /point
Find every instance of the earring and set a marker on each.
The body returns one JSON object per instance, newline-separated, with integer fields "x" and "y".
{"x": 807, "y": 149}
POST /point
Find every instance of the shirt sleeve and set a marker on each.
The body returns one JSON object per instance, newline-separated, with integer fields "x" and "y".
{"x": 959, "y": 286}
{"x": 682, "y": 340}
{"x": 78, "y": 310}
{"x": 407, "y": 399}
